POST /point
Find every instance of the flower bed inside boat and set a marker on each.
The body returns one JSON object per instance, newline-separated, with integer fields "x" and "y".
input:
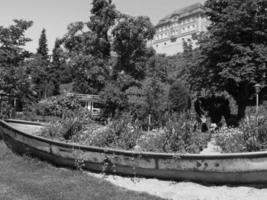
{"x": 177, "y": 136}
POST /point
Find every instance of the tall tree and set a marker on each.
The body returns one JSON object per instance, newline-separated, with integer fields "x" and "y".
{"x": 233, "y": 53}
{"x": 43, "y": 49}
{"x": 89, "y": 47}
{"x": 59, "y": 63}
{"x": 13, "y": 74}
{"x": 12, "y": 40}
{"x": 103, "y": 18}
{"x": 131, "y": 35}
{"x": 90, "y": 70}
{"x": 40, "y": 68}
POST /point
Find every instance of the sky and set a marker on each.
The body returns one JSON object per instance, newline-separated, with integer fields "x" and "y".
{"x": 56, "y": 15}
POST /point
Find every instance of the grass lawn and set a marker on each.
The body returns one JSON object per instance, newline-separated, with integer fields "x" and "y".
{"x": 23, "y": 178}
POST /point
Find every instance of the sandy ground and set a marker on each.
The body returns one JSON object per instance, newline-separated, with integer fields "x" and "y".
{"x": 185, "y": 190}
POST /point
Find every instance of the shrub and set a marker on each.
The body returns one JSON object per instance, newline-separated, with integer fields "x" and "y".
{"x": 61, "y": 106}
{"x": 179, "y": 135}
{"x": 121, "y": 133}
{"x": 52, "y": 131}
{"x": 65, "y": 129}
{"x": 151, "y": 141}
{"x": 179, "y": 97}
{"x": 230, "y": 140}
{"x": 248, "y": 137}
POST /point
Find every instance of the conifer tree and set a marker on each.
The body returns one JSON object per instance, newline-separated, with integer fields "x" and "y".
{"x": 40, "y": 68}
{"x": 43, "y": 49}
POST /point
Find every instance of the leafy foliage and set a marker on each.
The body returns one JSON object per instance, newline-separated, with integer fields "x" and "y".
{"x": 231, "y": 55}
{"x": 60, "y": 70}
{"x": 179, "y": 97}
{"x": 88, "y": 45}
{"x": 248, "y": 137}
{"x": 130, "y": 38}
{"x": 44, "y": 75}
{"x": 90, "y": 72}
{"x": 121, "y": 133}
{"x": 179, "y": 135}
{"x": 14, "y": 78}
{"x": 12, "y": 40}
{"x": 115, "y": 100}
{"x": 62, "y": 106}
{"x": 42, "y": 49}
{"x": 103, "y": 18}
{"x": 38, "y": 69}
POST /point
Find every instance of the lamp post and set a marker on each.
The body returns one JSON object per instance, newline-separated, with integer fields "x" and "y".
{"x": 257, "y": 90}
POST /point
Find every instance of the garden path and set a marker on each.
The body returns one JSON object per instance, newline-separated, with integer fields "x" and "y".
{"x": 212, "y": 148}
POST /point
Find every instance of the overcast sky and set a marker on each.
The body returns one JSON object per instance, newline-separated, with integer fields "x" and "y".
{"x": 55, "y": 15}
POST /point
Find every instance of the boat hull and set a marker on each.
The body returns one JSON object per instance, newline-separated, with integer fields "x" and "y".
{"x": 244, "y": 168}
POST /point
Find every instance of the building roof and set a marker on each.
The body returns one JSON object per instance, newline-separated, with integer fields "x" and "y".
{"x": 181, "y": 12}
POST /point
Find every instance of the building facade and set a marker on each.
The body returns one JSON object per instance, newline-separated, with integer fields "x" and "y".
{"x": 180, "y": 25}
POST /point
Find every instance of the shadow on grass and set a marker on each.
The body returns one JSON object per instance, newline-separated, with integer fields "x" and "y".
{"x": 25, "y": 178}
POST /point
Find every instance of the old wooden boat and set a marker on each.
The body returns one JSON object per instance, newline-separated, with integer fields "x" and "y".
{"x": 243, "y": 168}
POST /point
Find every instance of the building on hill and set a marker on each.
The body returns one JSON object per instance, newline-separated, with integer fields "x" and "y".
{"x": 180, "y": 25}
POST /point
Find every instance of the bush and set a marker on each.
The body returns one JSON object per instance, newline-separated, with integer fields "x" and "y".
{"x": 248, "y": 137}
{"x": 121, "y": 133}
{"x": 179, "y": 97}
{"x": 67, "y": 128}
{"x": 230, "y": 140}
{"x": 61, "y": 106}
{"x": 179, "y": 135}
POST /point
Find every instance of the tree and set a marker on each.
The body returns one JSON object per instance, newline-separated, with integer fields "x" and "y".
{"x": 91, "y": 75}
{"x": 14, "y": 78}
{"x": 233, "y": 53}
{"x": 103, "y": 18}
{"x": 54, "y": 71}
{"x": 90, "y": 71}
{"x": 12, "y": 40}
{"x": 131, "y": 35}
{"x": 156, "y": 97}
{"x": 158, "y": 66}
{"x": 89, "y": 48}
{"x": 179, "y": 97}
{"x": 40, "y": 69}
{"x": 42, "y": 50}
